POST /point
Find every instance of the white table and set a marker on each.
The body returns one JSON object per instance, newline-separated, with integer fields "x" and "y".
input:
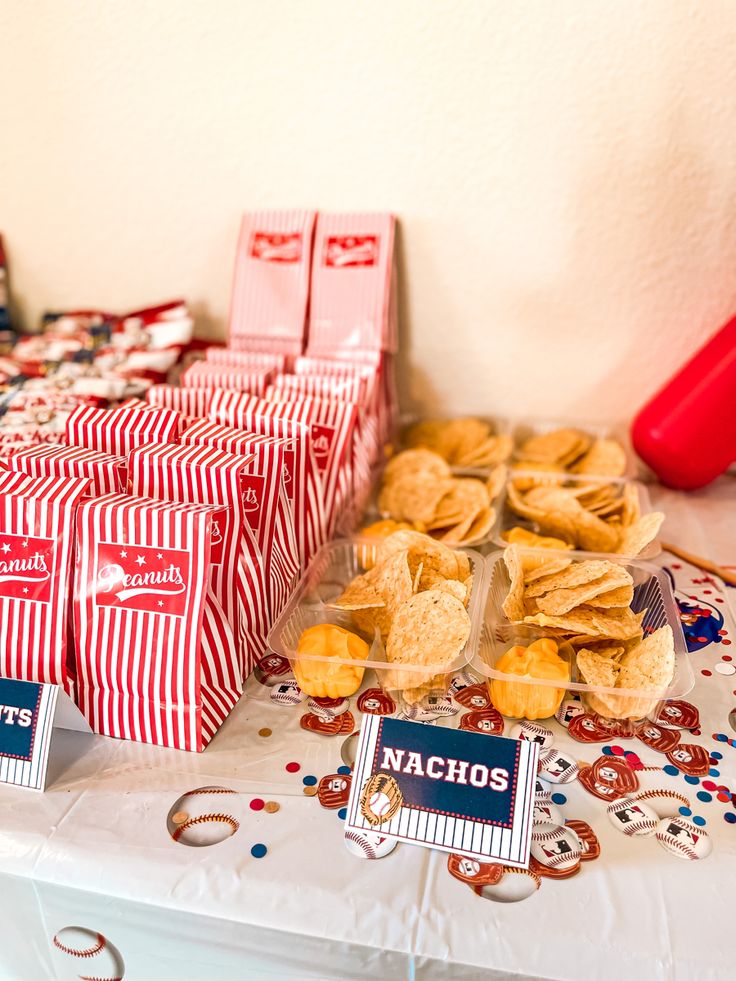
{"x": 94, "y": 851}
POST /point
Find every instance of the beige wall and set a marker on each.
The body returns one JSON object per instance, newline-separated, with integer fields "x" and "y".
{"x": 565, "y": 172}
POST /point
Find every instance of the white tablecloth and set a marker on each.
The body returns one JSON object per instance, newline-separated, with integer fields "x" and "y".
{"x": 94, "y": 851}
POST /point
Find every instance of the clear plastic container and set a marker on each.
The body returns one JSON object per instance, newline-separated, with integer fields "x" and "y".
{"x": 329, "y": 572}
{"x": 652, "y": 591}
{"x": 522, "y": 429}
{"x": 506, "y": 518}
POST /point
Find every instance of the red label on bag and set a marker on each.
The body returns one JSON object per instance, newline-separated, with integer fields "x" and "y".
{"x": 276, "y": 247}
{"x": 136, "y": 577}
{"x": 288, "y": 473}
{"x": 252, "y": 485}
{"x": 322, "y": 440}
{"x": 26, "y": 567}
{"x": 351, "y": 250}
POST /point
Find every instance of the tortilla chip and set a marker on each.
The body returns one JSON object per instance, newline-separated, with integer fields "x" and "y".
{"x": 359, "y": 594}
{"x": 606, "y": 457}
{"x": 620, "y": 596}
{"x": 596, "y": 669}
{"x": 559, "y": 601}
{"x": 431, "y": 629}
{"x": 551, "y": 447}
{"x": 513, "y": 605}
{"x": 636, "y": 537}
{"x": 575, "y": 575}
{"x": 584, "y": 620}
{"x": 533, "y": 572}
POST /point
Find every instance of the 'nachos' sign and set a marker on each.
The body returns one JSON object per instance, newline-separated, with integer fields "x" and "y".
{"x": 457, "y": 791}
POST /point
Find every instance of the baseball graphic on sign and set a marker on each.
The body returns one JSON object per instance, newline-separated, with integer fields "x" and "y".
{"x": 204, "y": 816}
{"x": 380, "y": 799}
{"x": 82, "y": 953}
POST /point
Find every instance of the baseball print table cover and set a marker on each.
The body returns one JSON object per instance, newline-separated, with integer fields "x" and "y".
{"x": 282, "y": 895}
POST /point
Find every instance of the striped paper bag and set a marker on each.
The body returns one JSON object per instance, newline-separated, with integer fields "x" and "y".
{"x": 301, "y": 474}
{"x": 36, "y": 536}
{"x": 117, "y": 431}
{"x": 203, "y": 374}
{"x": 264, "y": 497}
{"x": 271, "y": 284}
{"x": 207, "y": 475}
{"x": 352, "y": 301}
{"x": 245, "y": 359}
{"x": 333, "y": 427}
{"x": 190, "y": 402}
{"x": 155, "y": 652}
{"x": 106, "y": 474}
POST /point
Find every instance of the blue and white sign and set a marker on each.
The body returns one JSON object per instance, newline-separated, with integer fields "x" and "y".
{"x": 457, "y": 791}
{"x": 28, "y": 712}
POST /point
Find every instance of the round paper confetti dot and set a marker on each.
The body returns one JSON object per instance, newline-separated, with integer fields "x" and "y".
{"x": 181, "y": 817}
{"x": 714, "y": 773}
{"x": 310, "y": 791}
{"x": 343, "y": 770}
{"x": 258, "y": 851}
{"x": 265, "y": 732}
{"x": 706, "y": 672}
{"x": 709, "y": 785}
{"x": 723, "y": 797}
{"x": 727, "y": 657}
{"x": 725, "y": 669}
{"x": 272, "y": 806}
{"x": 700, "y": 821}
{"x": 685, "y": 811}
{"x": 607, "y": 751}
{"x": 731, "y": 818}
{"x": 257, "y": 804}
{"x": 618, "y": 750}
{"x": 670, "y": 770}
{"x": 724, "y": 641}
{"x": 716, "y": 756}
{"x": 691, "y": 780}
{"x": 293, "y": 767}
{"x": 309, "y": 781}
{"x": 342, "y": 813}
{"x": 559, "y": 799}
{"x": 720, "y": 737}
{"x": 705, "y": 797}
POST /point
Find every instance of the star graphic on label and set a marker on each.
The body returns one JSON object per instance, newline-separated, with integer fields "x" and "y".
{"x": 159, "y": 555}
{"x": 6, "y": 548}
{"x": 25, "y": 589}
{"x": 140, "y": 560}
{"x": 123, "y": 554}
{"x": 25, "y": 543}
{"x": 160, "y": 602}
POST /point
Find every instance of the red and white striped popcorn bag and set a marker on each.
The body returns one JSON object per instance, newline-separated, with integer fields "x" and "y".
{"x": 271, "y": 283}
{"x": 155, "y": 652}
{"x": 245, "y": 359}
{"x": 36, "y": 537}
{"x": 352, "y": 301}
{"x": 265, "y": 502}
{"x": 335, "y": 427}
{"x": 190, "y": 402}
{"x": 300, "y": 470}
{"x": 106, "y": 473}
{"x": 203, "y": 374}
{"x": 206, "y": 475}
{"x": 117, "y": 431}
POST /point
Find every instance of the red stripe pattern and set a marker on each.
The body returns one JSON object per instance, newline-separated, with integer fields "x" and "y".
{"x": 107, "y": 474}
{"x": 207, "y": 475}
{"x": 265, "y": 501}
{"x": 154, "y": 646}
{"x": 36, "y": 536}
{"x": 202, "y": 374}
{"x": 117, "y": 431}
{"x": 194, "y": 402}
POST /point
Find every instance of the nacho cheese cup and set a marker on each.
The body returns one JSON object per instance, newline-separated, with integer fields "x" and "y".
{"x": 522, "y": 429}
{"x": 652, "y": 591}
{"x": 329, "y": 572}
{"x": 506, "y": 519}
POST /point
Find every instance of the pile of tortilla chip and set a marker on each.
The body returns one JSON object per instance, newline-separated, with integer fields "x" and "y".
{"x": 418, "y": 487}
{"x": 461, "y": 442}
{"x": 594, "y": 516}
{"x": 415, "y": 593}
{"x": 571, "y": 451}
{"x": 587, "y": 604}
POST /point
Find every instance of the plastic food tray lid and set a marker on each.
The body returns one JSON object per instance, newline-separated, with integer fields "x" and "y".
{"x": 329, "y": 572}
{"x": 652, "y": 592}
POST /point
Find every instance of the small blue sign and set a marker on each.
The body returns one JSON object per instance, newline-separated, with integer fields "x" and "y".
{"x": 462, "y": 792}
{"x": 19, "y": 705}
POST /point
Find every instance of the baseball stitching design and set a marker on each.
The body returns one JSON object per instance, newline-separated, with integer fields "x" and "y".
{"x": 87, "y": 952}
{"x": 664, "y": 839}
{"x": 658, "y": 794}
{"x": 362, "y": 843}
{"x": 205, "y": 819}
